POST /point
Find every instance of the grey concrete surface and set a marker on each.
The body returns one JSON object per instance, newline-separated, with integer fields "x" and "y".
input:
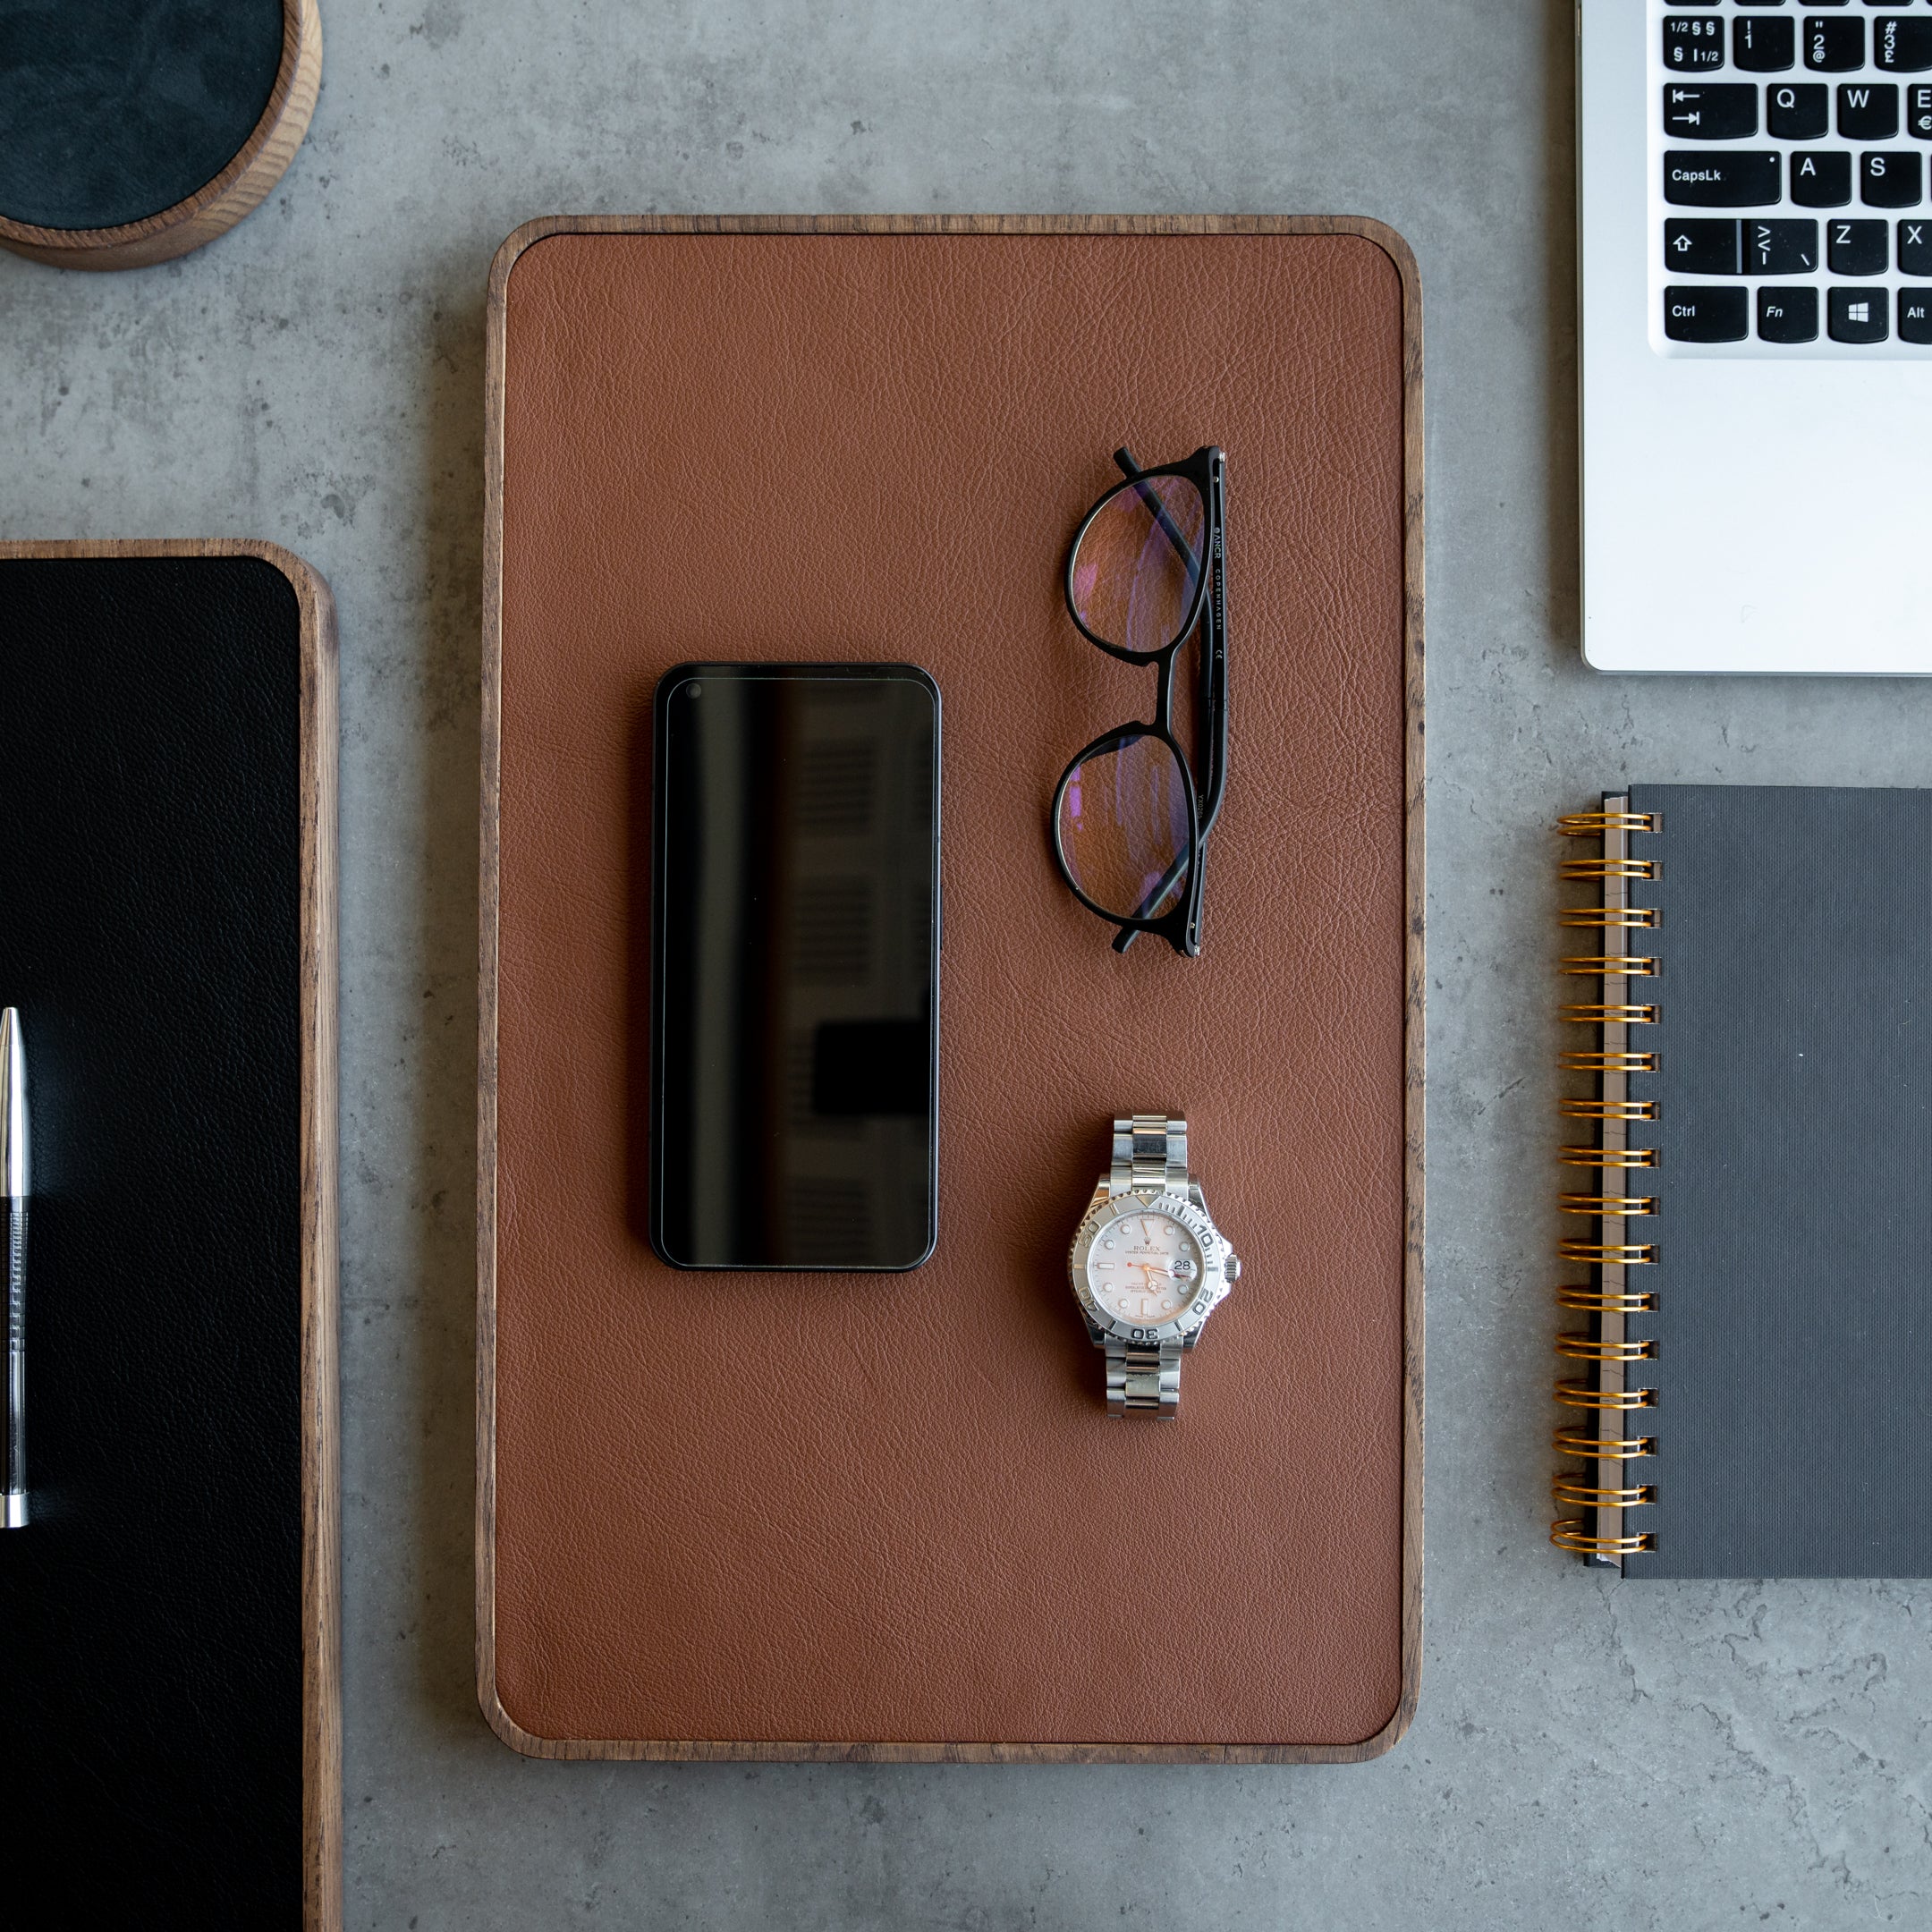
{"x": 1588, "y": 1754}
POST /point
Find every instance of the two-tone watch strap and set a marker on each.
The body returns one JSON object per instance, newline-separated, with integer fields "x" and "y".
{"x": 1149, "y": 1152}
{"x": 1142, "y": 1381}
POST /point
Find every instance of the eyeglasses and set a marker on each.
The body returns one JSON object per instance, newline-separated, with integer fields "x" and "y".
{"x": 1130, "y": 819}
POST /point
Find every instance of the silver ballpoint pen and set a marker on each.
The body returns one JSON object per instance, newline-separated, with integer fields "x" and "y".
{"x": 14, "y": 1177}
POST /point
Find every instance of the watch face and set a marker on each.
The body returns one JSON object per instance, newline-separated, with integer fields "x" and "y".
{"x": 1144, "y": 1268}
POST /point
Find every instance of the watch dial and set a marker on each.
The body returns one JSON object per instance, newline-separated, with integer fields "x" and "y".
{"x": 1144, "y": 1268}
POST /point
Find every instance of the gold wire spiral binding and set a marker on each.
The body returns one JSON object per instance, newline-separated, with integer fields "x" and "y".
{"x": 1604, "y": 1302}
{"x": 1607, "y": 1206}
{"x": 1608, "y": 1063}
{"x": 1582, "y": 1348}
{"x": 1597, "y": 1157}
{"x": 1607, "y": 1254}
{"x": 1594, "y": 823}
{"x": 1602, "y": 1448}
{"x": 1608, "y": 1015}
{"x": 1608, "y": 916}
{"x": 1579, "y": 870}
{"x": 1601, "y": 1110}
{"x": 1588, "y": 1396}
{"x": 1609, "y": 965}
{"x": 1606, "y": 1349}
{"x": 1566, "y": 1489}
{"x": 1571, "y": 1535}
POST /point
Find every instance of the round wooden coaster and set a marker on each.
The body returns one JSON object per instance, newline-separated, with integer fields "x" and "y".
{"x": 137, "y": 130}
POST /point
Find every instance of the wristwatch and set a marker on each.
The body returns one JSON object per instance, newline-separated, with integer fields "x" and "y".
{"x": 1149, "y": 1266}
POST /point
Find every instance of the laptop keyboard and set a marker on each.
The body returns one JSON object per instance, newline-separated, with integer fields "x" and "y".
{"x": 1791, "y": 209}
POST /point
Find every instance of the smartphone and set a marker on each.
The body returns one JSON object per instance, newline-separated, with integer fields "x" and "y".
{"x": 795, "y": 966}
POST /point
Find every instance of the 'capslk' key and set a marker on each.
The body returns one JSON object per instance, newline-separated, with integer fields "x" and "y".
{"x": 1715, "y": 113}
{"x": 1821, "y": 178}
{"x": 1747, "y": 179}
{"x": 1902, "y": 46}
{"x": 1915, "y": 248}
{"x": 1781, "y": 247}
{"x": 1706, "y": 315}
{"x": 1798, "y": 111}
{"x": 1834, "y": 45}
{"x": 1763, "y": 46}
{"x": 1857, "y": 247}
{"x": 1691, "y": 42}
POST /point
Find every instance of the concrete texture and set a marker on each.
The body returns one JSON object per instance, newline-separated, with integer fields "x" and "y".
{"x": 1587, "y": 1753}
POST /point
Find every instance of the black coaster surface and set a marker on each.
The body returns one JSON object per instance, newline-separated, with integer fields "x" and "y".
{"x": 112, "y": 111}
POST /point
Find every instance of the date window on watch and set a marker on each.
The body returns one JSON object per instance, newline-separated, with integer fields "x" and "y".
{"x": 1182, "y": 1269}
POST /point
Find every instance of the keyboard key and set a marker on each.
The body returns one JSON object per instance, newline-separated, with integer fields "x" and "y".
{"x": 1915, "y": 316}
{"x": 1747, "y": 179}
{"x": 1706, "y": 315}
{"x": 1891, "y": 180}
{"x": 1780, "y": 247}
{"x": 1834, "y": 45}
{"x": 1799, "y": 110}
{"x": 1857, "y": 247}
{"x": 1868, "y": 113}
{"x": 1689, "y": 42}
{"x": 1902, "y": 46}
{"x": 1764, "y": 46}
{"x": 1821, "y": 178}
{"x": 1861, "y": 314}
{"x": 1915, "y": 248}
{"x": 1787, "y": 315}
{"x": 1720, "y": 113}
{"x": 1702, "y": 248}
{"x": 1919, "y": 113}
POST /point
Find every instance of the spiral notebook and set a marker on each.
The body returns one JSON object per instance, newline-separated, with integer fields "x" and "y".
{"x": 1748, "y": 1163}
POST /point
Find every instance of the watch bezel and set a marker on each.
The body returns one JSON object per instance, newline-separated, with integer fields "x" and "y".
{"x": 1214, "y": 1285}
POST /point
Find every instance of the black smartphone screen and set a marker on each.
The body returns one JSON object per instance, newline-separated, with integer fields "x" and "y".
{"x": 796, "y": 967}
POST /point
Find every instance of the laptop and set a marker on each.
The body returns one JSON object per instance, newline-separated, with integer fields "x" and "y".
{"x": 1754, "y": 219}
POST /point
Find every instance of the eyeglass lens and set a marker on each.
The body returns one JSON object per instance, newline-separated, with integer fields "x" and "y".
{"x": 1138, "y": 563}
{"x": 1123, "y": 827}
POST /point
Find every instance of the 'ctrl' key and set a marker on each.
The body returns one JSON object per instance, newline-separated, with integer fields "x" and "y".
{"x": 1706, "y": 315}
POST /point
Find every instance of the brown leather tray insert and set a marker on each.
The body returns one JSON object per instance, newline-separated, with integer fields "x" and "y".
{"x": 792, "y": 1515}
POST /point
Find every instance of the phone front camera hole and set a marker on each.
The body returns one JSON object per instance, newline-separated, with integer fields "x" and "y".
{"x": 694, "y": 690}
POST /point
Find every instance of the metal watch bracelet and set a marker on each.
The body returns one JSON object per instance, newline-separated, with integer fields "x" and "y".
{"x": 1150, "y": 1151}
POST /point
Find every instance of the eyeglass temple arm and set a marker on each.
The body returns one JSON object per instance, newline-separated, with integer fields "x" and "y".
{"x": 1213, "y": 678}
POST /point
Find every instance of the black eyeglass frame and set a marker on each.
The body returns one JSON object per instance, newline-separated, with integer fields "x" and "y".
{"x": 1180, "y": 925}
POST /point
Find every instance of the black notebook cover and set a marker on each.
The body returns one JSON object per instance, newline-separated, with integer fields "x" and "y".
{"x": 1793, "y": 1231}
{"x": 159, "y": 1696}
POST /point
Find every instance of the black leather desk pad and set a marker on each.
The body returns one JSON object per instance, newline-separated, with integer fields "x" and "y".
{"x": 115, "y": 110}
{"x": 150, "y": 1626}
